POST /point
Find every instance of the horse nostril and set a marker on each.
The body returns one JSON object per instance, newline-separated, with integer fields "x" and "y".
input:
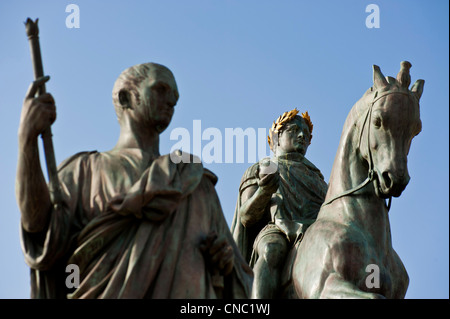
{"x": 387, "y": 179}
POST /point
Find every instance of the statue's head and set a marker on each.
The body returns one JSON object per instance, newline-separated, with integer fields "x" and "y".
{"x": 146, "y": 94}
{"x": 290, "y": 133}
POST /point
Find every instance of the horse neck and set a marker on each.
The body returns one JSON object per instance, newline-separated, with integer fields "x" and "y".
{"x": 363, "y": 208}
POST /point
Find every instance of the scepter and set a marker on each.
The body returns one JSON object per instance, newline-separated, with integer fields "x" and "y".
{"x": 32, "y": 31}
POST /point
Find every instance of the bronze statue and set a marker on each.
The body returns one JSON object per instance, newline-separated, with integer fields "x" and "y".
{"x": 137, "y": 224}
{"x": 278, "y": 200}
{"x": 349, "y": 244}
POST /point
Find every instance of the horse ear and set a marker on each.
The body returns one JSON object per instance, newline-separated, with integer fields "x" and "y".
{"x": 378, "y": 78}
{"x": 391, "y": 80}
{"x": 403, "y": 76}
{"x": 417, "y": 88}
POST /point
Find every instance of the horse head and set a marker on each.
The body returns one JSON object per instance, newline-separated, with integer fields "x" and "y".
{"x": 391, "y": 122}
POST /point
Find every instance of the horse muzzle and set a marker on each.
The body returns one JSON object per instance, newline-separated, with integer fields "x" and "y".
{"x": 388, "y": 184}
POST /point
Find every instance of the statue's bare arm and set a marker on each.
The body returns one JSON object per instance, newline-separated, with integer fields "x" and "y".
{"x": 255, "y": 198}
{"x": 32, "y": 192}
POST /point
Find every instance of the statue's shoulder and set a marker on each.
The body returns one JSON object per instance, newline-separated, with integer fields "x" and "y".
{"x": 313, "y": 167}
{"x": 72, "y": 159}
{"x": 250, "y": 172}
{"x": 210, "y": 175}
{"x": 249, "y": 177}
{"x": 185, "y": 159}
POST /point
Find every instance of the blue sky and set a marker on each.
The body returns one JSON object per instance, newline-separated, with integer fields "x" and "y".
{"x": 238, "y": 64}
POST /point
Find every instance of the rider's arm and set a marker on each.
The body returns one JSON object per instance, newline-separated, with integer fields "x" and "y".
{"x": 255, "y": 198}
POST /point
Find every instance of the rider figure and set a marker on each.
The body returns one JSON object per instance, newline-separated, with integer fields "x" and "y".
{"x": 278, "y": 199}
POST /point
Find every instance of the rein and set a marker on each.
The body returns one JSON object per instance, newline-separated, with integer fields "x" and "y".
{"x": 371, "y": 173}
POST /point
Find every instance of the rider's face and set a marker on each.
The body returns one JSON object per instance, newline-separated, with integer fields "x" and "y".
{"x": 295, "y": 137}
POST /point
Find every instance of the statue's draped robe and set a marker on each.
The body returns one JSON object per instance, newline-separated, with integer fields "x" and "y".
{"x": 292, "y": 208}
{"x": 133, "y": 227}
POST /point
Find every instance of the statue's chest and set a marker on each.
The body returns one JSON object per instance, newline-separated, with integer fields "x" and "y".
{"x": 110, "y": 181}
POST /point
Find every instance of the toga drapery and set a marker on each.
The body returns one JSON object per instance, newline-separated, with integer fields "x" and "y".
{"x": 133, "y": 227}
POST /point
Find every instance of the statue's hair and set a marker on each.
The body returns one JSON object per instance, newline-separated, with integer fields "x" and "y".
{"x": 283, "y": 119}
{"x": 130, "y": 80}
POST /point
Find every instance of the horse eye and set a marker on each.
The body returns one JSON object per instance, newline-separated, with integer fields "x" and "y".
{"x": 377, "y": 122}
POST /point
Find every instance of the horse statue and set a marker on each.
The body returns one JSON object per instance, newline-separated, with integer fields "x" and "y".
{"x": 347, "y": 252}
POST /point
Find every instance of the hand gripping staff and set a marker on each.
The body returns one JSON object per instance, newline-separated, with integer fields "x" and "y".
{"x": 36, "y": 59}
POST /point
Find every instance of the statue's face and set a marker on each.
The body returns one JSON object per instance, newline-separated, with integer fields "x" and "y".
{"x": 295, "y": 137}
{"x": 159, "y": 95}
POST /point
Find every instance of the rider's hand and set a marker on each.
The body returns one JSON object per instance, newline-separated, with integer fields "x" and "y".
{"x": 268, "y": 177}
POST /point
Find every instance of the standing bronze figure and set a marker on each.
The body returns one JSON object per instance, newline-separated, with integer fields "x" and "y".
{"x": 135, "y": 223}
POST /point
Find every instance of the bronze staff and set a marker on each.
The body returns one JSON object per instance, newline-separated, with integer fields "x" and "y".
{"x": 33, "y": 37}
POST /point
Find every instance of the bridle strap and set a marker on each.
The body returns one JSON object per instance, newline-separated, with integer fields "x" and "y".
{"x": 376, "y": 97}
{"x": 350, "y": 191}
{"x": 371, "y": 172}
